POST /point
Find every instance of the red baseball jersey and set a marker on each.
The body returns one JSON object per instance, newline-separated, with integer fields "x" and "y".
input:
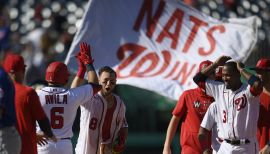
{"x": 28, "y": 110}
{"x": 263, "y": 132}
{"x": 190, "y": 108}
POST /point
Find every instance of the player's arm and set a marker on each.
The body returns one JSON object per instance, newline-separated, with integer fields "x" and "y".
{"x": 39, "y": 114}
{"x": 85, "y": 62}
{"x": 255, "y": 83}
{"x": 200, "y": 77}
{"x": 45, "y": 127}
{"x": 79, "y": 78}
{"x": 123, "y": 133}
{"x": 265, "y": 149}
{"x": 170, "y": 134}
{"x": 203, "y": 136}
{"x": 206, "y": 126}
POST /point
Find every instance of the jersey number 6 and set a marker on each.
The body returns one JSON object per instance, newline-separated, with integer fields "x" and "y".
{"x": 57, "y": 120}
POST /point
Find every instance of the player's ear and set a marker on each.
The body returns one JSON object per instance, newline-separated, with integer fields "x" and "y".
{"x": 99, "y": 81}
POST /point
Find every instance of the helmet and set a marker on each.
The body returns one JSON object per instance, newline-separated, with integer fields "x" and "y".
{"x": 57, "y": 73}
{"x": 204, "y": 64}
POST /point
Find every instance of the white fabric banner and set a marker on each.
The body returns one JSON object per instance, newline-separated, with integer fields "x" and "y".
{"x": 158, "y": 45}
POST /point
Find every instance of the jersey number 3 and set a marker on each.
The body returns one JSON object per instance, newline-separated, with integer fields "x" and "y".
{"x": 57, "y": 120}
{"x": 224, "y": 116}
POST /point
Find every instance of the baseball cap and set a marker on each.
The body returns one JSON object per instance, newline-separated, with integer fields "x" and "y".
{"x": 13, "y": 63}
{"x": 204, "y": 64}
{"x": 262, "y": 64}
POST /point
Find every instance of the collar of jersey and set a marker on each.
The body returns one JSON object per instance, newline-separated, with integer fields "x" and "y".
{"x": 49, "y": 89}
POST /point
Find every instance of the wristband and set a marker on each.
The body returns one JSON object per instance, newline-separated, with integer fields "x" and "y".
{"x": 90, "y": 67}
{"x": 252, "y": 80}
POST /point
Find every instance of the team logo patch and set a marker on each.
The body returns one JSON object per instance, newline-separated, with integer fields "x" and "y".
{"x": 197, "y": 104}
{"x": 241, "y": 102}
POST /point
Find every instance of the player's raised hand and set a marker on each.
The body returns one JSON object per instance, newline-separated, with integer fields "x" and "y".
{"x": 81, "y": 68}
{"x": 222, "y": 60}
{"x": 85, "y": 55}
{"x": 240, "y": 65}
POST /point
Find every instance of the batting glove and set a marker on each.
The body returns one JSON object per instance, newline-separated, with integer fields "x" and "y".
{"x": 82, "y": 68}
{"x": 85, "y": 54}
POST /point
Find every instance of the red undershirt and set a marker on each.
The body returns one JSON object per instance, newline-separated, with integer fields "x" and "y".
{"x": 106, "y": 128}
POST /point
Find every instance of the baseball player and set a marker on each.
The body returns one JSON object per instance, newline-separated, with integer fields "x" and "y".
{"x": 61, "y": 104}
{"x": 10, "y": 141}
{"x": 190, "y": 110}
{"x": 103, "y": 126}
{"x": 27, "y": 105}
{"x": 210, "y": 123}
{"x": 263, "y": 132}
{"x": 238, "y": 105}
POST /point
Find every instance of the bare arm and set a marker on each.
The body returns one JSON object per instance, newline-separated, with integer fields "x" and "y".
{"x": 253, "y": 81}
{"x": 170, "y": 134}
{"x": 202, "y": 136}
{"x": 219, "y": 62}
{"x": 200, "y": 77}
{"x": 265, "y": 149}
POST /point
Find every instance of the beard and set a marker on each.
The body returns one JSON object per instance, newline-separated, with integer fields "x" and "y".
{"x": 227, "y": 85}
{"x": 106, "y": 91}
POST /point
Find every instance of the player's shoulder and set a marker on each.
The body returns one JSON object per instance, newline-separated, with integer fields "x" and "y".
{"x": 119, "y": 99}
{"x": 188, "y": 91}
{"x": 24, "y": 88}
{"x": 213, "y": 105}
{"x": 193, "y": 91}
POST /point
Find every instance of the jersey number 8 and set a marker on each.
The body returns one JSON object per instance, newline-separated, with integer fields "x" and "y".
{"x": 57, "y": 120}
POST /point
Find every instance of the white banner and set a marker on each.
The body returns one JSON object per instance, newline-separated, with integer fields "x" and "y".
{"x": 158, "y": 45}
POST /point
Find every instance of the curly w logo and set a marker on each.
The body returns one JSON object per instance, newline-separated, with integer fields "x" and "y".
{"x": 197, "y": 104}
{"x": 241, "y": 102}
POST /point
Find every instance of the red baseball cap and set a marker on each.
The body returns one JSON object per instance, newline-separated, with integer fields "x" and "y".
{"x": 204, "y": 64}
{"x": 13, "y": 63}
{"x": 262, "y": 64}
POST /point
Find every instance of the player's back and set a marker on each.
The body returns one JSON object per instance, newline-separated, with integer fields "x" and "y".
{"x": 60, "y": 105}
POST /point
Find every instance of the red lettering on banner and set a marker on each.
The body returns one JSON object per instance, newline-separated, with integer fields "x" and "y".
{"x": 211, "y": 39}
{"x": 177, "y": 17}
{"x": 167, "y": 59}
{"x": 173, "y": 70}
{"x": 152, "y": 57}
{"x": 172, "y": 28}
{"x": 184, "y": 73}
{"x": 197, "y": 24}
{"x": 152, "y": 69}
{"x": 136, "y": 51}
{"x": 151, "y": 23}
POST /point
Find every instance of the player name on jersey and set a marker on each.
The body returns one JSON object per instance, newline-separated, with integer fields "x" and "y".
{"x": 56, "y": 99}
